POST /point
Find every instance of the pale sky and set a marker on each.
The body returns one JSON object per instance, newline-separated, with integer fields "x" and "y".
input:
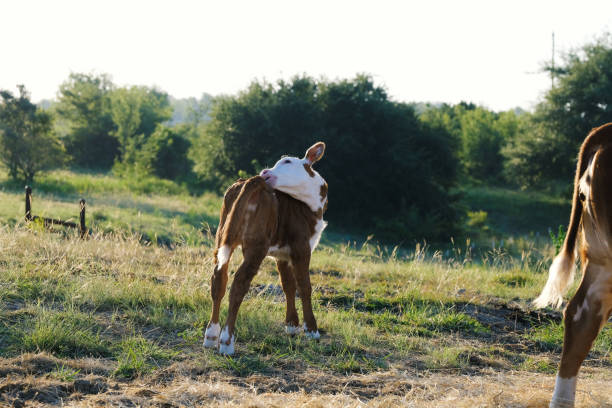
{"x": 487, "y": 52}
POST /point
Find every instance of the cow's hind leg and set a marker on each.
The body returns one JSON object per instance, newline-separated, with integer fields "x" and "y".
{"x": 584, "y": 317}
{"x": 292, "y": 321}
{"x": 253, "y": 256}
{"x": 218, "y": 284}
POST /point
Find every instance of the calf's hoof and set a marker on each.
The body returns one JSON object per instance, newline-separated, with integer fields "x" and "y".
{"x": 292, "y": 330}
{"x": 314, "y": 335}
{"x": 561, "y": 403}
{"x": 211, "y": 336}
{"x": 226, "y": 345}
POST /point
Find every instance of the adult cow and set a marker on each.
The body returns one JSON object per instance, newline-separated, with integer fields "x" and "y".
{"x": 591, "y": 218}
{"x": 279, "y": 214}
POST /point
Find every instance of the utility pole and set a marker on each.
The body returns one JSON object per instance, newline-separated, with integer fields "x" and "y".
{"x": 552, "y": 65}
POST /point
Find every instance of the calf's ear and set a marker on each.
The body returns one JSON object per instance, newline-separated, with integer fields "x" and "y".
{"x": 315, "y": 152}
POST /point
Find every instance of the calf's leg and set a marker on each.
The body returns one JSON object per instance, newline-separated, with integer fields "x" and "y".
{"x": 253, "y": 256}
{"x": 584, "y": 317}
{"x": 218, "y": 284}
{"x": 301, "y": 263}
{"x": 292, "y": 322}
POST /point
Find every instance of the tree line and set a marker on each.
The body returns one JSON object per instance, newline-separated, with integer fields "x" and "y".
{"x": 393, "y": 167}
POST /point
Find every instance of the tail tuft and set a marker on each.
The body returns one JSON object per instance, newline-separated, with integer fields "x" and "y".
{"x": 560, "y": 275}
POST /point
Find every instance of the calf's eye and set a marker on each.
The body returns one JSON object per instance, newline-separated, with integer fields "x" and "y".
{"x": 286, "y": 161}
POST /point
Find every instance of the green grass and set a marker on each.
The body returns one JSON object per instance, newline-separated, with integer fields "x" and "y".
{"x": 136, "y": 293}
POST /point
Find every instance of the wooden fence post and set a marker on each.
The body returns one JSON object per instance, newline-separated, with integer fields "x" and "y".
{"x": 28, "y": 203}
{"x": 83, "y": 227}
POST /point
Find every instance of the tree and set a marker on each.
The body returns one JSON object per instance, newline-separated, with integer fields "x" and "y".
{"x": 27, "y": 143}
{"x": 165, "y": 153}
{"x": 481, "y": 144}
{"x": 580, "y": 101}
{"x": 388, "y": 172}
{"x": 84, "y": 107}
{"x": 136, "y": 112}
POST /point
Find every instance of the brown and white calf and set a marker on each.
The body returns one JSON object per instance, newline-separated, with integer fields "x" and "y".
{"x": 279, "y": 214}
{"x": 591, "y": 221}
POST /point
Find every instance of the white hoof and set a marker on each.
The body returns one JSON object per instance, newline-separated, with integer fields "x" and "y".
{"x": 292, "y": 330}
{"x": 561, "y": 403}
{"x": 311, "y": 334}
{"x": 211, "y": 337}
{"x": 226, "y": 346}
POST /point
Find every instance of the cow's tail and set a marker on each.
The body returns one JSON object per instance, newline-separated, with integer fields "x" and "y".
{"x": 562, "y": 270}
{"x": 235, "y": 221}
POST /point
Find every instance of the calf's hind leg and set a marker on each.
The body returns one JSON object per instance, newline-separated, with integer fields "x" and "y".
{"x": 584, "y": 317}
{"x": 253, "y": 256}
{"x": 302, "y": 276}
{"x": 292, "y": 322}
{"x": 218, "y": 284}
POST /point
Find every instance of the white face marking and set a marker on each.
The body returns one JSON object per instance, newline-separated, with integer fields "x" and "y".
{"x": 565, "y": 392}
{"x": 290, "y": 176}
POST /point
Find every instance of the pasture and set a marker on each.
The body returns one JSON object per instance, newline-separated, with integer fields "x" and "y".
{"x": 119, "y": 318}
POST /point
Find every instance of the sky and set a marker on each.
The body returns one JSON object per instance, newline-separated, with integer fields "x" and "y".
{"x": 486, "y": 52}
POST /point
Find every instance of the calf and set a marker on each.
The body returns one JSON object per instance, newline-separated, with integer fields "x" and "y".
{"x": 279, "y": 214}
{"x": 591, "y": 218}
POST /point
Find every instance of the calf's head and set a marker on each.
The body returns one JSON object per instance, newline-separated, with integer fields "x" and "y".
{"x": 297, "y": 178}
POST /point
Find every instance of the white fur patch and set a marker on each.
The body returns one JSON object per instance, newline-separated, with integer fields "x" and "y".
{"x": 314, "y": 240}
{"x": 582, "y": 308}
{"x": 252, "y": 207}
{"x": 292, "y": 330}
{"x": 211, "y": 337}
{"x": 560, "y": 275}
{"x": 224, "y": 347}
{"x": 223, "y": 255}
{"x": 283, "y": 254}
{"x": 564, "y": 394}
{"x": 311, "y": 334}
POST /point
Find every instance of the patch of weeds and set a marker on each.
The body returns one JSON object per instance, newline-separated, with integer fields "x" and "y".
{"x": 548, "y": 337}
{"x": 456, "y": 322}
{"x": 136, "y": 356}
{"x": 65, "y": 374}
{"x": 515, "y": 279}
{"x": 538, "y": 365}
{"x": 65, "y": 333}
{"x": 241, "y": 365}
{"x": 194, "y": 334}
{"x": 448, "y": 357}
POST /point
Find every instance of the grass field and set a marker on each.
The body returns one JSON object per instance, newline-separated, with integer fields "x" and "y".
{"x": 118, "y": 319}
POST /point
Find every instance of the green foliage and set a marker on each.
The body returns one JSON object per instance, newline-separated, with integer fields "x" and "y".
{"x": 85, "y": 121}
{"x": 136, "y": 112}
{"x": 580, "y": 100}
{"x": 137, "y": 355}
{"x": 480, "y": 144}
{"x": 558, "y": 238}
{"x": 164, "y": 154}
{"x": 387, "y": 171}
{"x": 27, "y": 142}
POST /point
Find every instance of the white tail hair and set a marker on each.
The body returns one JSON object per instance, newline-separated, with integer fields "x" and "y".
{"x": 560, "y": 275}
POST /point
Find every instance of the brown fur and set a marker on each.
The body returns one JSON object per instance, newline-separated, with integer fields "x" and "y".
{"x": 308, "y": 169}
{"x": 278, "y": 220}
{"x": 590, "y": 218}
